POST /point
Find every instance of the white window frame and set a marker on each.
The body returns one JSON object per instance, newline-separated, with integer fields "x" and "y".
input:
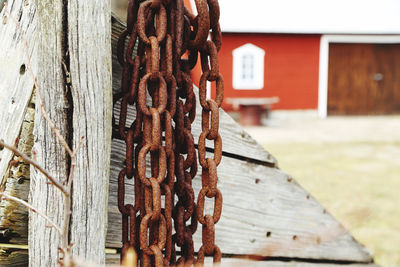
{"x": 258, "y": 55}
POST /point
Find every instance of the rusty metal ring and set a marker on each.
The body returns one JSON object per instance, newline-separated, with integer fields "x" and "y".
{"x": 161, "y": 19}
{"x": 142, "y": 94}
{"x": 209, "y": 178}
{"x": 124, "y": 209}
{"x": 142, "y": 164}
{"x": 202, "y": 149}
{"x": 211, "y": 65}
{"x": 144, "y": 237}
{"x": 208, "y": 235}
{"x": 152, "y": 199}
{"x": 217, "y": 206}
{"x": 217, "y": 255}
{"x": 203, "y": 90}
{"x": 205, "y": 117}
{"x": 203, "y": 24}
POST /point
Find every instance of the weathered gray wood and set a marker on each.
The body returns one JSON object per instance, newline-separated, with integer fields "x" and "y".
{"x": 89, "y": 36}
{"x": 235, "y": 140}
{"x": 265, "y": 213}
{"x": 20, "y": 258}
{"x": 239, "y": 262}
{"x": 43, "y": 242}
{"x": 15, "y": 83}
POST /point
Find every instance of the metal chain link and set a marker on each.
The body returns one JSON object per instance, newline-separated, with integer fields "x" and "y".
{"x": 169, "y": 39}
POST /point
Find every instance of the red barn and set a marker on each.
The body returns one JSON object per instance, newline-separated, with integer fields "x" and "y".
{"x": 335, "y": 57}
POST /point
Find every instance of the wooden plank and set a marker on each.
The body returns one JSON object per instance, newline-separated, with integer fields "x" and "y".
{"x": 19, "y": 258}
{"x": 233, "y": 136}
{"x": 15, "y": 83}
{"x": 89, "y": 42}
{"x": 265, "y": 213}
{"x": 238, "y": 262}
{"x": 43, "y": 241}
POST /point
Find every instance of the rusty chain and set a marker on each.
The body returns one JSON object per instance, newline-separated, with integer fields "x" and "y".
{"x": 169, "y": 39}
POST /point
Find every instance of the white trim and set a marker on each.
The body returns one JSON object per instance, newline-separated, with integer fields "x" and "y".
{"x": 324, "y": 61}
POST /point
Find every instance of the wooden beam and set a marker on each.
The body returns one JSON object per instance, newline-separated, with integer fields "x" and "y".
{"x": 15, "y": 82}
{"x": 43, "y": 241}
{"x": 20, "y": 258}
{"x": 265, "y": 213}
{"x": 239, "y": 262}
{"x": 89, "y": 46}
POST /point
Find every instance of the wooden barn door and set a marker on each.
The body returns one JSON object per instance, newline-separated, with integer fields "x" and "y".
{"x": 364, "y": 79}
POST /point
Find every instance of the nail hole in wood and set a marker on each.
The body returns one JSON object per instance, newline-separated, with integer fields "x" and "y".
{"x": 5, "y": 20}
{"x": 308, "y": 196}
{"x": 1, "y": 147}
{"x": 294, "y": 237}
{"x": 257, "y": 180}
{"x": 289, "y": 179}
{"x": 22, "y": 69}
{"x": 268, "y": 234}
{"x": 252, "y": 240}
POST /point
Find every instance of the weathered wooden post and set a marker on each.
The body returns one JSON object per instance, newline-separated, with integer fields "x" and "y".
{"x": 71, "y": 59}
{"x": 74, "y": 73}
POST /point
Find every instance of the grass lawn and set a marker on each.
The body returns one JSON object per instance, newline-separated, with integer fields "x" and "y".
{"x": 358, "y": 182}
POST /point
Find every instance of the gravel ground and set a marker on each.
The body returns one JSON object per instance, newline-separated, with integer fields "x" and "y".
{"x": 351, "y": 165}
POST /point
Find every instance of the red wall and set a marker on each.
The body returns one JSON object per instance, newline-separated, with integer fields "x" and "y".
{"x": 290, "y": 70}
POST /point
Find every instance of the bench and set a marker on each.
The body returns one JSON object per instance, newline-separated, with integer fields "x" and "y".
{"x": 251, "y": 109}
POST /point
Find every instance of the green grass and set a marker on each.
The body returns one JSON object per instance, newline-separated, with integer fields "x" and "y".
{"x": 358, "y": 182}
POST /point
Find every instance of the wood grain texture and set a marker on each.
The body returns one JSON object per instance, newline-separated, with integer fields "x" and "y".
{"x": 15, "y": 83}
{"x": 235, "y": 140}
{"x": 19, "y": 258}
{"x": 89, "y": 36}
{"x": 43, "y": 242}
{"x": 265, "y": 213}
{"x": 239, "y": 262}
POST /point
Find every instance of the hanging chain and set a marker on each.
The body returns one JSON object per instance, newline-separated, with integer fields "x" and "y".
{"x": 168, "y": 39}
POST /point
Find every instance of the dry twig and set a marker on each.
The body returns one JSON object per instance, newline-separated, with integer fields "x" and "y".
{"x": 36, "y": 165}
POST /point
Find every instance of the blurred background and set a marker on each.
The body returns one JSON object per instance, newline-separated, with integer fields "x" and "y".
{"x": 317, "y": 83}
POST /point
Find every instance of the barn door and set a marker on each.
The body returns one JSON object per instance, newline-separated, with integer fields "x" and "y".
{"x": 364, "y": 79}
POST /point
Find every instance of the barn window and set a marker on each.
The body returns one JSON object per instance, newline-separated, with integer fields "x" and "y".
{"x": 248, "y": 67}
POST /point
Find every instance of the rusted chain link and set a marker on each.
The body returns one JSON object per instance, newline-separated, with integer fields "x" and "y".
{"x": 169, "y": 40}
